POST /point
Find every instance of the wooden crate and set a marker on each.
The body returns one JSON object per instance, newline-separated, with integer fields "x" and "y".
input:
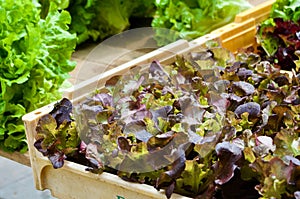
{"x": 72, "y": 181}
{"x": 86, "y": 83}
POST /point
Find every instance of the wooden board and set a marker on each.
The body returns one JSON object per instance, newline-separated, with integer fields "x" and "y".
{"x": 22, "y": 158}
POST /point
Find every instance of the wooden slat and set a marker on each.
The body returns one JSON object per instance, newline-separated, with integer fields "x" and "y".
{"x": 259, "y": 12}
{"x": 22, "y": 158}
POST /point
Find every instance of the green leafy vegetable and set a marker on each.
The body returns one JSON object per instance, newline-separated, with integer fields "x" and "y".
{"x": 286, "y": 10}
{"x": 191, "y": 19}
{"x": 35, "y": 61}
{"x": 99, "y": 19}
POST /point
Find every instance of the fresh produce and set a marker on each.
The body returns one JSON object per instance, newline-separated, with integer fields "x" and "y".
{"x": 189, "y": 19}
{"x": 35, "y": 61}
{"x": 191, "y": 130}
{"x": 59, "y": 132}
{"x": 279, "y": 35}
{"x": 99, "y": 19}
{"x": 209, "y": 125}
{"x": 96, "y": 20}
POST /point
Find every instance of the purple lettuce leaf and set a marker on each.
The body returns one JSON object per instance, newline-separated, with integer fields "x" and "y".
{"x": 228, "y": 154}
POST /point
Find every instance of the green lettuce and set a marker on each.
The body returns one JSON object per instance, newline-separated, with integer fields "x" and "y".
{"x": 98, "y": 19}
{"x": 193, "y": 18}
{"x": 35, "y": 61}
{"x": 286, "y": 9}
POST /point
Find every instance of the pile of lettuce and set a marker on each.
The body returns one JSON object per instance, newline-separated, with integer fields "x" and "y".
{"x": 98, "y": 19}
{"x": 34, "y": 62}
{"x": 279, "y": 36}
{"x": 207, "y": 126}
{"x": 190, "y": 19}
